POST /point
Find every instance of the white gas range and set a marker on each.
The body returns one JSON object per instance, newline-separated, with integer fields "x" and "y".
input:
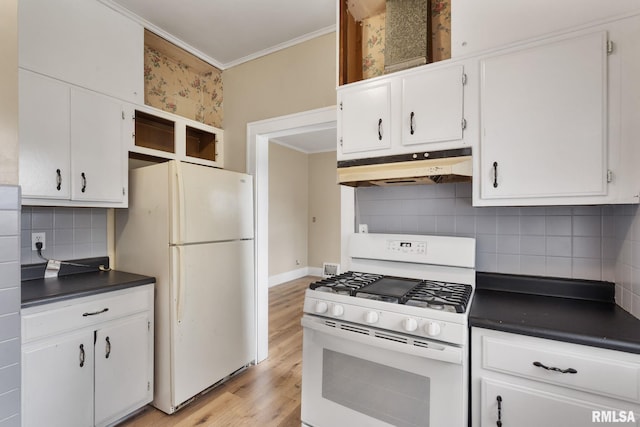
{"x": 387, "y": 342}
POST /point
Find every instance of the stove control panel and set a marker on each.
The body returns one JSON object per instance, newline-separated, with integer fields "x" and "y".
{"x": 408, "y": 322}
{"x": 407, "y": 247}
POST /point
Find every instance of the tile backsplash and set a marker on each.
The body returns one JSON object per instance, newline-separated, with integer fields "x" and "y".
{"x": 10, "y": 367}
{"x": 582, "y": 242}
{"x": 70, "y": 233}
{"x": 561, "y": 241}
{"x": 627, "y": 266}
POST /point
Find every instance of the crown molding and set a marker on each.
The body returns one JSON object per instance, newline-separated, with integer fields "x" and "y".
{"x": 198, "y": 53}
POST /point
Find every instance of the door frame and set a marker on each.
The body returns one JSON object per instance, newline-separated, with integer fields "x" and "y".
{"x": 258, "y": 135}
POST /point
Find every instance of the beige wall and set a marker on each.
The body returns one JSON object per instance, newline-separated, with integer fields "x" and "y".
{"x": 324, "y": 206}
{"x": 299, "y": 78}
{"x": 288, "y": 209}
{"x": 9, "y": 92}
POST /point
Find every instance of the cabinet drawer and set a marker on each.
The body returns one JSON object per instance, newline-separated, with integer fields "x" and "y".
{"x": 530, "y": 407}
{"x": 604, "y": 372}
{"x": 74, "y": 314}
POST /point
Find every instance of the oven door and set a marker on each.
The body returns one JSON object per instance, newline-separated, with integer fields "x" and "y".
{"x": 361, "y": 376}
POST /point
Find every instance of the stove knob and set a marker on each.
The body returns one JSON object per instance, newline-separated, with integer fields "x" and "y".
{"x": 337, "y": 310}
{"x": 410, "y": 324}
{"x": 371, "y": 317}
{"x": 321, "y": 307}
{"x": 433, "y": 329}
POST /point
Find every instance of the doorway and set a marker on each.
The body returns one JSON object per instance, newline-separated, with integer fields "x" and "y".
{"x": 258, "y": 136}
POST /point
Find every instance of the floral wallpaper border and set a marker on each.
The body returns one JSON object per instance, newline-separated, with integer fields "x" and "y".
{"x": 373, "y": 36}
{"x": 175, "y": 87}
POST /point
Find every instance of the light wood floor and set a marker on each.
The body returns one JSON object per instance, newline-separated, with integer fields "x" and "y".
{"x": 267, "y": 394}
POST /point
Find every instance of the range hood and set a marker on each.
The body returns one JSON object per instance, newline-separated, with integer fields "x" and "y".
{"x": 435, "y": 167}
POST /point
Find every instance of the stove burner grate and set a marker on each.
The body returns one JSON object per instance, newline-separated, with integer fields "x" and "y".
{"x": 439, "y": 295}
{"x": 347, "y": 283}
{"x": 445, "y": 296}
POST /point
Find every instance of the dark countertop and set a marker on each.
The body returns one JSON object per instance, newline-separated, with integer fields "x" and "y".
{"x": 580, "y": 312}
{"x": 77, "y": 284}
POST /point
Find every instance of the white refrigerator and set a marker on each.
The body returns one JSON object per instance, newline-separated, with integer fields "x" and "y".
{"x": 191, "y": 227}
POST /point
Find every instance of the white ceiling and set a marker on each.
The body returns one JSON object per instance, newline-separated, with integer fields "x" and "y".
{"x": 310, "y": 142}
{"x": 228, "y": 32}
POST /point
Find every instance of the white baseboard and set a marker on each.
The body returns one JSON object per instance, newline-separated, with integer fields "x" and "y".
{"x": 287, "y": 276}
{"x": 315, "y": 271}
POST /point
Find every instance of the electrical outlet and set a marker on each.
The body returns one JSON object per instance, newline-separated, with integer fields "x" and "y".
{"x": 363, "y": 228}
{"x": 38, "y": 237}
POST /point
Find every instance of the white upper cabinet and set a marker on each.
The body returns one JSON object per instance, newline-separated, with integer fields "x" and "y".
{"x": 544, "y": 118}
{"x": 364, "y": 119}
{"x": 407, "y": 112}
{"x": 559, "y": 120}
{"x": 97, "y": 153}
{"x": 44, "y": 134}
{"x": 71, "y": 145}
{"x": 85, "y": 43}
{"x": 432, "y": 106}
{"x": 477, "y": 26}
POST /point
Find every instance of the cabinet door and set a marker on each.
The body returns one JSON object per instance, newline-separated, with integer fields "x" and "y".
{"x": 543, "y": 120}
{"x": 97, "y": 154}
{"x": 123, "y": 368}
{"x": 364, "y": 116}
{"x": 516, "y": 405}
{"x": 85, "y": 43}
{"x": 44, "y": 137}
{"x": 432, "y": 106}
{"x": 57, "y": 383}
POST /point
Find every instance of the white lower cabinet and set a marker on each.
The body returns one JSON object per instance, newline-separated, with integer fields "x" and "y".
{"x": 525, "y": 381}
{"x": 89, "y": 371}
{"x": 56, "y": 384}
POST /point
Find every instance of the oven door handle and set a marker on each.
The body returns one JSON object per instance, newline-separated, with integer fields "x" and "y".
{"x": 440, "y": 352}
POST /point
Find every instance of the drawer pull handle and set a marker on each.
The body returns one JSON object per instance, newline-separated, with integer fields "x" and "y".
{"x": 107, "y": 349}
{"x": 380, "y": 129}
{"x": 551, "y": 368}
{"x": 58, "y": 179}
{"x": 499, "y": 422}
{"x": 495, "y": 174}
{"x": 84, "y": 182}
{"x": 104, "y": 310}
{"x": 411, "y": 122}
{"x": 81, "y": 355}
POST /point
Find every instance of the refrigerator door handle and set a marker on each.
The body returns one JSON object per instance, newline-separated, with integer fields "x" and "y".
{"x": 181, "y": 288}
{"x": 182, "y": 216}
